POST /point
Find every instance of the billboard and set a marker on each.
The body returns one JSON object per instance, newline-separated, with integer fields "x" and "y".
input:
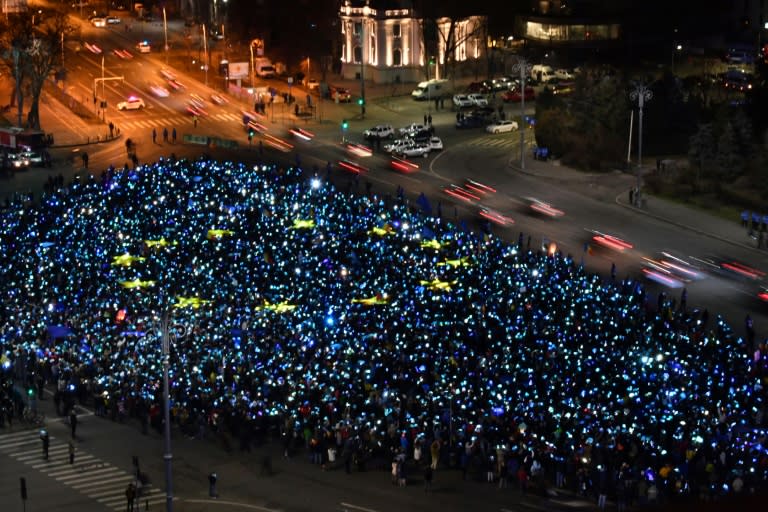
{"x": 238, "y": 70}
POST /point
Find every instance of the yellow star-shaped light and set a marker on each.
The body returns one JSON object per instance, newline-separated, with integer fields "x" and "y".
{"x": 190, "y": 302}
{"x": 137, "y": 283}
{"x": 282, "y": 307}
{"x": 303, "y": 224}
{"x": 219, "y": 233}
{"x": 125, "y": 260}
{"x": 157, "y": 243}
{"x": 461, "y": 262}
{"x": 433, "y": 244}
{"x": 386, "y": 230}
{"x": 437, "y": 284}
{"x": 376, "y": 300}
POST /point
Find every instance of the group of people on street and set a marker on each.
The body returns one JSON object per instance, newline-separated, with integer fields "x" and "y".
{"x": 354, "y": 324}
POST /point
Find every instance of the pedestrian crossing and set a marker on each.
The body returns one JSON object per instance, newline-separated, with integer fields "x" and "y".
{"x": 88, "y": 475}
{"x": 501, "y": 140}
{"x": 173, "y": 121}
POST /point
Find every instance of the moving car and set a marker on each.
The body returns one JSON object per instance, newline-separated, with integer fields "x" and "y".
{"x": 159, "y": 91}
{"x": 502, "y": 126}
{"x": 113, "y": 20}
{"x": 435, "y": 143}
{"x": 495, "y": 216}
{"x": 99, "y": 22}
{"x": 144, "y": 47}
{"x": 612, "y": 242}
{"x": 544, "y": 208}
{"x": 132, "y": 103}
{"x": 18, "y": 161}
{"x": 313, "y": 84}
{"x": 380, "y": 131}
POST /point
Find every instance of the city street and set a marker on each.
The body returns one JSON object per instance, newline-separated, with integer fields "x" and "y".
{"x": 104, "y": 449}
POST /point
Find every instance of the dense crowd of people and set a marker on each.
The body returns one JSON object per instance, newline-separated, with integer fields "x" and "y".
{"x": 356, "y": 325}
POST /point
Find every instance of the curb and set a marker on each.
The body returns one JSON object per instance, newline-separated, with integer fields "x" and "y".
{"x": 661, "y": 218}
{"x": 91, "y": 143}
{"x": 685, "y": 226}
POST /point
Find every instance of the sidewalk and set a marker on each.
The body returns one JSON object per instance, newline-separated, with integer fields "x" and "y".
{"x": 661, "y": 209}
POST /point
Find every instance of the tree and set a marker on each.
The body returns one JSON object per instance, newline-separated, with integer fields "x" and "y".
{"x": 447, "y": 25}
{"x": 30, "y": 49}
{"x": 730, "y": 161}
{"x": 702, "y": 150}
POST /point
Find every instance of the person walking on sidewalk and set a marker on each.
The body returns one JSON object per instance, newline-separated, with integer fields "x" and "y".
{"x": 46, "y": 443}
{"x": 71, "y": 447}
{"x": 173, "y": 135}
{"x": 212, "y": 485}
{"x": 130, "y": 497}
{"x": 165, "y": 134}
{"x": 154, "y": 136}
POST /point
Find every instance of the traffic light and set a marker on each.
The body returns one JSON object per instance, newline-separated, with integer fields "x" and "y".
{"x": 344, "y": 124}
{"x": 360, "y": 101}
{"x": 432, "y": 61}
{"x": 31, "y": 391}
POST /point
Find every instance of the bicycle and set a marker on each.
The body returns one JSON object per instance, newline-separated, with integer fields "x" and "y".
{"x": 33, "y": 417}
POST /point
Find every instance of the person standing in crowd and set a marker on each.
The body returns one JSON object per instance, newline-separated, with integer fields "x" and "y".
{"x": 434, "y": 450}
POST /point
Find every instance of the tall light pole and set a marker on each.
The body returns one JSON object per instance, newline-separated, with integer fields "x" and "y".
{"x": 165, "y": 31}
{"x": 523, "y": 67}
{"x": 205, "y": 50}
{"x": 641, "y": 93}
{"x": 366, "y": 13}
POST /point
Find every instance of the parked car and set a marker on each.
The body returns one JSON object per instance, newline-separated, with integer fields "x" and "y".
{"x": 562, "y": 89}
{"x": 564, "y": 74}
{"x": 478, "y": 100}
{"x": 313, "y": 84}
{"x": 420, "y": 136}
{"x": 471, "y": 122}
{"x": 396, "y": 145}
{"x": 462, "y": 101}
{"x": 436, "y": 143}
{"x": 381, "y": 131}
{"x": 501, "y": 126}
{"x": 514, "y": 95}
{"x": 483, "y": 112}
{"x": 477, "y": 87}
{"x": 412, "y": 128}
{"x": 421, "y": 150}
{"x": 343, "y": 95}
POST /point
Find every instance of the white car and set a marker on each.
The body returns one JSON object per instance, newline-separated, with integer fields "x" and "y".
{"x": 501, "y": 126}
{"x": 132, "y": 103}
{"x": 478, "y": 100}
{"x": 159, "y": 90}
{"x": 99, "y": 22}
{"x": 436, "y": 143}
{"x": 398, "y": 145}
{"x": 113, "y": 20}
{"x": 144, "y": 47}
{"x": 412, "y": 128}
{"x": 167, "y": 74}
{"x": 564, "y": 74}
{"x": 381, "y": 131}
{"x": 462, "y": 101}
{"x": 421, "y": 150}
{"x": 313, "y": 84}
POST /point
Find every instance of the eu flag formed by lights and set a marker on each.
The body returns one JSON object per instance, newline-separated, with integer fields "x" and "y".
{"x": 461, "y": 262}
{"x": 217, "y": 234}
{"x": 137, "y": 283}
{"x": 282, "y": 307}
{"x": 376, "y": 300}
{"x": 438, "y": 285}
{"x": 157, "y": 243}
{"x": 303, "y": 224}
{"x": 190, "y": 302}
{"x": 125, "y": 260}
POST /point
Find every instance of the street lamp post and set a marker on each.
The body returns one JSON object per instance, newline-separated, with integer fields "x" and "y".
{"x": 168, "y": 455}
{"x": 366, "y": 13}
{"x": 165, "y": 31}
{"x": 205, "y": 52}
{"x": 523, "y": 67}
{"x": 641, "y": 93}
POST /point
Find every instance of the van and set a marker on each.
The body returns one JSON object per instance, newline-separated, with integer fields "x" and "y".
{"x": 542, "y": 73}
{"x": 431, "y": 89}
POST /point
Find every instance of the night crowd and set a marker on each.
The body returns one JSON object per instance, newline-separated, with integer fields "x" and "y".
{"x": 369, "y": 333}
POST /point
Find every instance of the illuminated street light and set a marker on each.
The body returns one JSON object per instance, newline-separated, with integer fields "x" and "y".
{"x": 523, "y": 67}
{"x": 641, "y": 93}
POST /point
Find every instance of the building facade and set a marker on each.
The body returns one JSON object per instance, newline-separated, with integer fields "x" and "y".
{"x": 385, "y": 44}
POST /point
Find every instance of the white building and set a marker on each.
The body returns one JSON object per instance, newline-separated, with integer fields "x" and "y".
{"x": 385, "y": 45}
